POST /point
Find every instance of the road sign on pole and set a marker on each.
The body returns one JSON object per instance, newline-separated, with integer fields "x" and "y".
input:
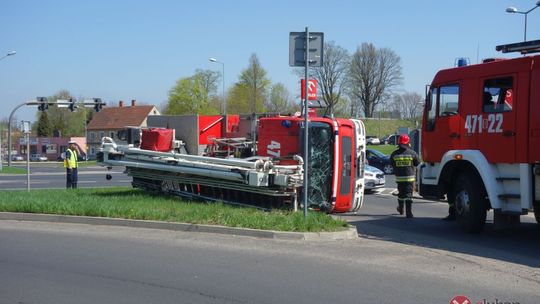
{"x": 305, "y": 50}
{"x": 298, "y": 52}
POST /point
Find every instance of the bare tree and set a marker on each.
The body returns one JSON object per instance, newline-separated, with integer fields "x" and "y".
{"x": 332, "y": 75}
{"x": 209, "y": 80}
{"x": 373, "y": 75}
{"x": 409, "y": 104}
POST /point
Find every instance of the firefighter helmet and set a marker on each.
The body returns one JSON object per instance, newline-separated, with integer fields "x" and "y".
{"x": 404, "y": 139}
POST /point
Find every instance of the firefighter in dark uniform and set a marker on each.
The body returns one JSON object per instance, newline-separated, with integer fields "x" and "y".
{"x": 71, "y": 164}
{"x": 404, "y": 160}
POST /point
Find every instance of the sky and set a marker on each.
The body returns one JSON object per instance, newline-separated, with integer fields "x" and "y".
{"x": 124, "y": 50}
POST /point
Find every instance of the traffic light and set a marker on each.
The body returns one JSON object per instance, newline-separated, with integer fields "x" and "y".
{"x": 72, "y": 105}
{"x": 98, "y": 105}
{"x": 43, "y": 104}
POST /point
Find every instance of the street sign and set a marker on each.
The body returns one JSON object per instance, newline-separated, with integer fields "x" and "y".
{"x": 297, "y": 49}
{"x": 312, "y": 89}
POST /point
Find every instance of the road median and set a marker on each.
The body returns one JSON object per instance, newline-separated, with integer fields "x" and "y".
{"x": 347, "y": 234}
{"x": 133, "y": 207}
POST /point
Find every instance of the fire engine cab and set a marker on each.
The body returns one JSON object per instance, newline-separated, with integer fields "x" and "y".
{"x": 481, "y": 138}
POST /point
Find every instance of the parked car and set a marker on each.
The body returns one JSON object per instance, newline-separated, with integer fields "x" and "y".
{"x": 17, "y": 157}
{"x": 37, "y": 158}
{"x": 82, "y": 157}
{"x": 373, "y": 178}
{"x": 379, "y": 160}
{"x": 372, "y": 140}
{"x": 390, "y": 139}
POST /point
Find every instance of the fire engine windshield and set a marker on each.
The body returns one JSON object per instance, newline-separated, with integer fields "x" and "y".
{"x": 321, "y": 153}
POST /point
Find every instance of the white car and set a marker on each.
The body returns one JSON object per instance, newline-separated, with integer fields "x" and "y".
{"x": 372, "y": 140}
{"x": 17, "y": 157}
{"x": 37, "y": 158}
{"x": 373, "y": 178}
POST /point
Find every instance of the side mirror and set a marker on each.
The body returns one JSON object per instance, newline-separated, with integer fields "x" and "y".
{"x": 428, "y": 102}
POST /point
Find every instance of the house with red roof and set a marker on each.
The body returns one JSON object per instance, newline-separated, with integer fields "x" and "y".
{"x": 110, "y": 120}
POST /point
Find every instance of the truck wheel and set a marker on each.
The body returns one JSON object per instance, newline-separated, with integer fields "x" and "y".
{"x": 470, "y": 203}
{"x": 537, "y": 212}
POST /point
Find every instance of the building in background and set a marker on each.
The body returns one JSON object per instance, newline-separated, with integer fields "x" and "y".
{"x": 50, "y": 147}
{"x": 109, "y": 120}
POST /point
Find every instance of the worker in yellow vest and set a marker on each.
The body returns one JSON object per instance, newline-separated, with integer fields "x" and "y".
{"x": 71, "y": 165}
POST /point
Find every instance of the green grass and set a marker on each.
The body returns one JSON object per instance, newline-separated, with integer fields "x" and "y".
{"x": 386, "y": 149}
{"x": 12, "y": 170}
{"x": 131, "y": 203}
{"x": 385, "y": 127}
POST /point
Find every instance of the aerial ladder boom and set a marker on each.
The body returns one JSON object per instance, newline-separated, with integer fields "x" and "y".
{"x": 226, "y": 179}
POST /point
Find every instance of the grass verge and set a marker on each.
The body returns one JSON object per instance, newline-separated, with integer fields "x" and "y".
{"x": 12, "y": 170}
{"x": 131, "y": 203}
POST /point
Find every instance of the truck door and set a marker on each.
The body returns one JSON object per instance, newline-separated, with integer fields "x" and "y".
{"x": 495, "y": 125}
{"x": 442, "y": 123}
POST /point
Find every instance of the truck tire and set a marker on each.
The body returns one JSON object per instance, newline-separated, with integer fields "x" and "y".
{"x": 470, "y": 202}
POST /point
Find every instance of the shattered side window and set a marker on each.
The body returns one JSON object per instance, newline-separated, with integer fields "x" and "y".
{"x": 321, "y": 144}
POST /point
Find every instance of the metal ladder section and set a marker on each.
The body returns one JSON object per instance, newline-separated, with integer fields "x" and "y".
{"x": 252, "y": 181}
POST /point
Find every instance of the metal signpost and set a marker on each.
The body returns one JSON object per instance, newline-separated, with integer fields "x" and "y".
{"x": 304, "y": 53}
{"x": 26, "y": 131}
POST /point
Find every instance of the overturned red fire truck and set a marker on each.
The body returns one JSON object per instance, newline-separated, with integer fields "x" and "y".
{"x": 481, "y": 138}
{"x": 246, "y": 160}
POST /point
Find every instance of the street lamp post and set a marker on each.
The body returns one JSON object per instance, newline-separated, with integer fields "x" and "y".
{"x": 514, "y": 10}
{"x": 11, "y": 53}
{"x": 223, "y": 102}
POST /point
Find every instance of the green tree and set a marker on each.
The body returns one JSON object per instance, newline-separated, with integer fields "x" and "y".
{"x": 255, "y": 81}
{"x": 61, "y": 119}
{"x": 280, "y": 99}
{"x": 238, "y": 100}
{"x": 44, "y": 127}
{"x": 190, "y": 95}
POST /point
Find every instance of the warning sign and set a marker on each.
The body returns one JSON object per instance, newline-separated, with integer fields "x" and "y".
{"x": 312, "y": 89}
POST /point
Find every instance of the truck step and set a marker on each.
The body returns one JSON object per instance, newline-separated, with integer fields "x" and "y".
{"x": 509, "y": 196}
{"x": 508, "y": 212}
{"x": 501, "y": 179}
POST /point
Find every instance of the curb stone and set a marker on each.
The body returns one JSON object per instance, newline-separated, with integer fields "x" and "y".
{"x": 348, "y": 234}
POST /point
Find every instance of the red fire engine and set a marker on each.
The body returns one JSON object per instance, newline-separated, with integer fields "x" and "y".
{"x": 481, "y": 138}
{"x": 246, "y": 160}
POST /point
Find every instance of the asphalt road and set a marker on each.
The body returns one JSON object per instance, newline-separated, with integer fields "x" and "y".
{"x": 378, "y": 219}
{"x": 396, "y": 260}
{"x": 67, "y": 263}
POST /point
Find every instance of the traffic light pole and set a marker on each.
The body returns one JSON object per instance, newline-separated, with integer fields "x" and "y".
{"x": 41, "y": 101}
{"x": 9, "y": 126}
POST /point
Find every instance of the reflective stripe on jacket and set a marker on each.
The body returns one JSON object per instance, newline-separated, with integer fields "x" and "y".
{"x": 404, "y": 160}
{"x": 70, "y": 161}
